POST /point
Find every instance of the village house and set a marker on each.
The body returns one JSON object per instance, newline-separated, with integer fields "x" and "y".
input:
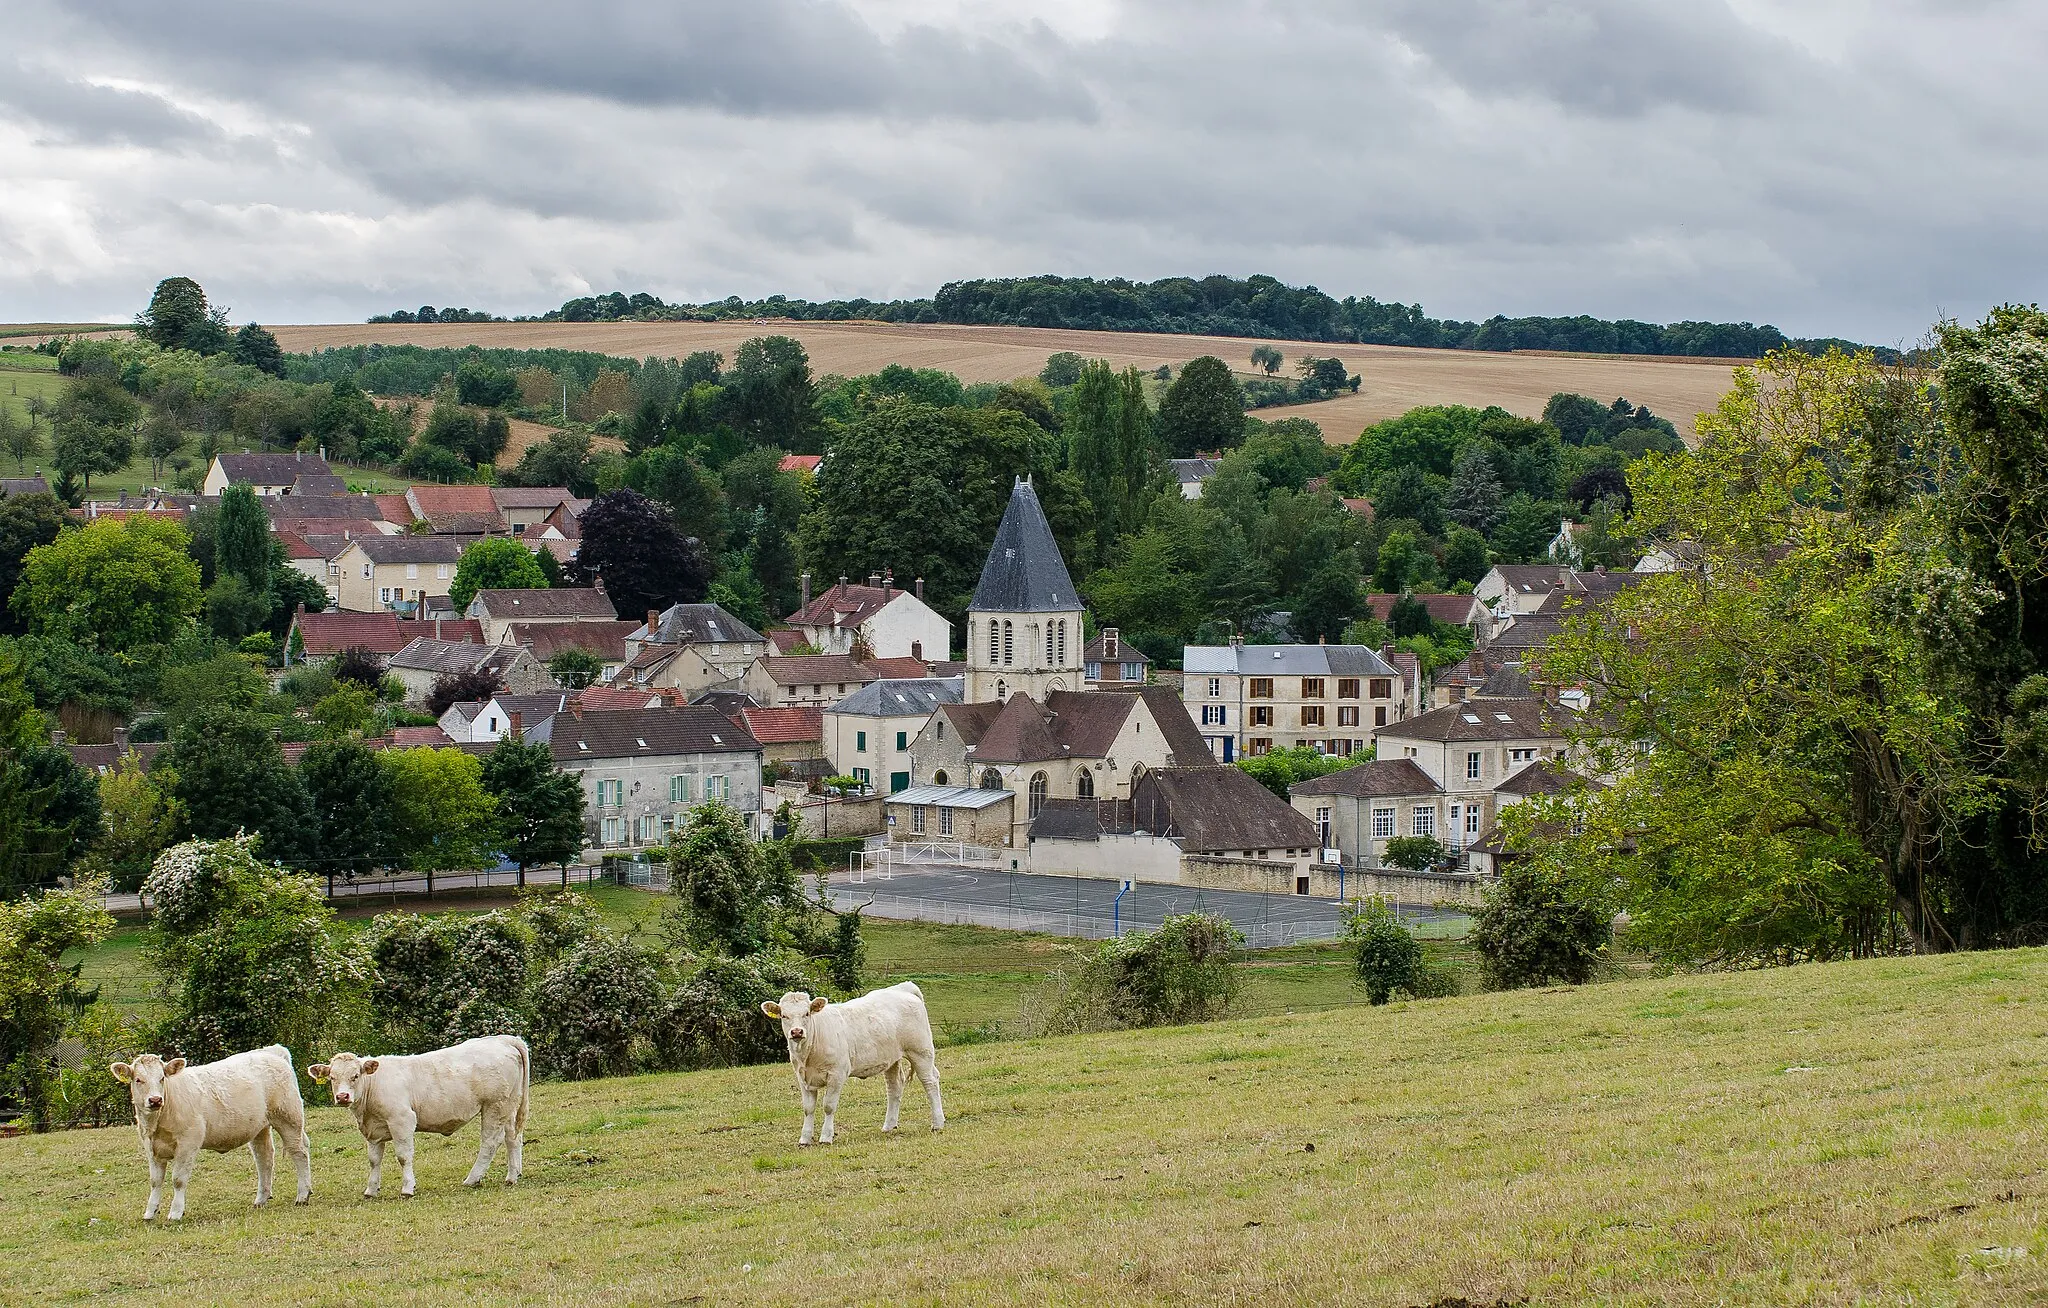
{"x": 1252, "y": 699}
{"x": 504, "y": 714}
{"x": 497, "y": 610}
{"x": 972, "y": 815}
{"x": 425, "y": 660}
{"x": 527, "y": 506}
{"x": 315, "y": 636}
{"x": 394, "y": 572}
{"x": 1469, "y": 750}
{"x": 868, "y": 735}
{"x": 818, "y": 679}
{"x": 1485, "y": 856}
{"x": 459, "y": 510}
{"x": 1208, "y": 827}
{"x": 690, "y": 648}
{"x": 35, "y": 485}
{"x": 644, "y": 770}
{"x": 878, "y": 620}
{"x": 266, "y": 474}
{"x": 1358, "y": 810}
{"x": 1109, "y": 664}
{"x": 792, "y": 739}
{"x": 1191, "y": 473}
{"x": 603, "y": 641}
{"x": 1453, "y": 610}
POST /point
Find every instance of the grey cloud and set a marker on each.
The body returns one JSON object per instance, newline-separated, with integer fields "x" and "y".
{"x": 73, "y": 111}
{"x": 768, "y": 58}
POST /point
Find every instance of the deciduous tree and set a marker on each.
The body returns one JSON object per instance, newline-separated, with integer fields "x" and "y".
{"x": 539, "y": 808}
{"x": 494, "y": 563}
{"x": 113, "y": 585}
{"x": 1203, "y": 410}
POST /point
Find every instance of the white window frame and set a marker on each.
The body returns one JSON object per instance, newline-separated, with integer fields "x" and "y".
{"x": 412, "y": 572}
{"x": 1422, "y": 822}
{"x": 917, "y": 819}
{"x": 945, "y": 821}
{"x": 716, "y": 787}
{"x": 1474, "y": 763}
{"x": 614, "y": 831}
{"x": 1215, "y": 688}
{"x": 1383, "y": 823}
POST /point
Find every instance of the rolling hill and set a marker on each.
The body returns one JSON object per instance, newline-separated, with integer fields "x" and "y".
{"x": 1394, "y": 378}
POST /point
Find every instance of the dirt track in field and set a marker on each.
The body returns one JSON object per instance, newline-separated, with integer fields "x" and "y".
{"x": 1395, "y": 378}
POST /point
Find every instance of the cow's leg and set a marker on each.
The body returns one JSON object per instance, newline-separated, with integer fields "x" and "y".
{"x": 156, "y": 1188}
{"x": 181, "y": 1172}
{"x": 515, "y": 1151}
{"x": 893, "y": 1078}
{"x": 299, "y": 1149}
{"x": 810, "y": 1109}
{"x": 376, "y": 1170}
{"x": 401, "y": 1140}
{"x": 828, "y": 1099}
{"x": 266, "y": 1158}
{"x": 928, "y": 1072}
{"x": 491, "y": 1128}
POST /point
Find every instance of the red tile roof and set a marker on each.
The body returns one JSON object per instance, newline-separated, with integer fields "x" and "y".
{"x": 600, "y": 698}
{"x": 431, "y": 500}
{"x": 783, "y": 726}
{"x": 844, "y": 605}
{"x": 295, "y": 546}
{"x": 412, "y": 737}
{"x": 801, "y": 462}
{"x": 324, "y": 634}
{"x": 899, "y": 669}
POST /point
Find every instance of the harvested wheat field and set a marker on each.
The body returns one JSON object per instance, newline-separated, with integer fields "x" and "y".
{"x": 1395, "y": 379}
{"x": 1855, "y": 1133}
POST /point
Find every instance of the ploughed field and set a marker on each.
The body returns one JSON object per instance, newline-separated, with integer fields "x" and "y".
{"x": 1869, "y": 1132}
{"x": 1394, "y": 379}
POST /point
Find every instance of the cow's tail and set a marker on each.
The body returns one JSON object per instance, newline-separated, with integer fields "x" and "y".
{"x": 525, "y": 1085}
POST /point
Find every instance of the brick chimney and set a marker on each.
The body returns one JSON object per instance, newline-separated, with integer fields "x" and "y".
{"x": 1109, "y": 642}
{"x": 576, "y": 709}
{"x": 513, "y": 728}
{"x": 653, "y": 622}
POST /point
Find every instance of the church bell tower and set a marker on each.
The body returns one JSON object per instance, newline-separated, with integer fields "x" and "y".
{"x": 1024, "y": 624}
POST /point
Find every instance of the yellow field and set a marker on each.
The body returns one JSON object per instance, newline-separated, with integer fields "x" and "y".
{"x": 1861, "y": 1133}
{"x": 1394, "y": 379}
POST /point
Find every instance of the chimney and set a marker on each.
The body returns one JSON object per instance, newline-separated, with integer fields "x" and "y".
{"x": 874, "y": 580}
{"x": 512, "y": 727}
{"x": 920, "y": 589}
{"x": 1109, "y": 642}
{"x": 121, "y": 739}
{"x": 888, "y": 581}
{"x": 653, "y": 622}
{"x": 1323, "y": 639}
{"x": 576, "y": 709}
{"x": 804, "y": 591}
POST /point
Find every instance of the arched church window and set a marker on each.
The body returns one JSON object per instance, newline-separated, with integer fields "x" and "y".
{"x": 1009, "y": 644}
{"x": 1063, "y": 642}
{"x": 1084, "y": 785}
{"x": 991, "y": 779}
{"x": 939, "y": 777}
{"x": 1038, "y": 786}
{"x": 995, "y": 636}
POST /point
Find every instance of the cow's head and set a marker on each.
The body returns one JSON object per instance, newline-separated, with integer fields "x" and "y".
{"x": 145, "y": 1078}
{"x": 345, "y": 1072}
{"x": 791, "y": 1010}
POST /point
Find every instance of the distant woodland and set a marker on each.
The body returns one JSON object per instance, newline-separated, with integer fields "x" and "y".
{"x": 1217, "y": 306}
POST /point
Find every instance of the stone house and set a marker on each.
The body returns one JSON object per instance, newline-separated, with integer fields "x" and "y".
{"x": 690, "y": 648}
{"x": 528, "y": 506}
{"x": 497, "y": 610}
{"x": 1468, "y": 750}
{"x": 266, "y": 474}
{"x": 1109, "y": 664}
{"x": 425, "y": 661}
{"x": 1358, "y": 810}
{"x": 878, "y": 620}
{"x": 394, "y": 572}
{"x": 869, "y": 734}
{"x": 1251, "y": 699}
{"x": 644, "y": 770}
{"x": 970, "y": 814}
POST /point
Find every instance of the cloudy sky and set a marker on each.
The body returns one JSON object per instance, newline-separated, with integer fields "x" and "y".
{"x": 1837, "y": 167}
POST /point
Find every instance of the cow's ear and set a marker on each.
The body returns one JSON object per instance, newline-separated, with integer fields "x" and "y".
{"x": 771, "y": 1008}
{"x": 370, "y": 1065}
{"x": 175, "y": 1066}
{"x": 121, "y": 1071}
{"x": 818, "y": 1004}
{"x": 318, "y": 1072}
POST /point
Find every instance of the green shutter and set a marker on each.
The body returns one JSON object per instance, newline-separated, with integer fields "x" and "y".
{"x": 860, "y": 742}
{"x": 898, "y": 781}
{"x": 903, "y": 740}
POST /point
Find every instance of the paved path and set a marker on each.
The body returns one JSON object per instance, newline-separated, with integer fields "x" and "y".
{"x": 1080, "y": 906}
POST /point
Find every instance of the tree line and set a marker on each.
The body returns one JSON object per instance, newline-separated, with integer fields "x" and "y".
{"x": 1208, "y": 306}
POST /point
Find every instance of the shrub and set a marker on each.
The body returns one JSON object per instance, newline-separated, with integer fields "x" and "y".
{"x": 246, "y": 951}
{"x": 1189, "y": 970}
{"x": 1414, "y": 852}
{"x": 728, "y": 888}
{"x": 1533, "y": 931}
{"x": 590, "y": 1008}
{"x": 360, "y": 666}
{"x": 38, "y": 992}
{"x": 1387, "y": 957}
{"x": 714, "y": 1018}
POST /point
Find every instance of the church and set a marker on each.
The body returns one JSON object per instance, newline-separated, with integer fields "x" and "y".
{"x": 1026, "y": 723}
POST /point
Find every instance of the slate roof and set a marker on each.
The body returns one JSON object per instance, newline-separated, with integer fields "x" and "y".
{"x": 1491, "y": 719}
{"x": 1096, "y": 651}
{"x": 529, "y": 497}
{"x": 1530, "y": 631}
{"x": 647, "y": 733}
{"x": 528, "y": 605}
{"x": 23, "y": 486}
{"x": 1080, "y": 819}
{"x": 98, "y": 759}
{"x": 727, "y": 702}
{"x": 1024, "y": 572}
{"x": 293, "y": 508}
{"x": 1509, "y": 681}
{"x": 425, "y": 654}
{"x": 295, "y": 546}
{"x": 1287, "y": 660}
{"x": 699, "y": 624}
{"x": 783, "y": 726}
{"x": 1546, "y": 777}
{"x": 272, "y": 469}
{"x": 324, "y": 634}
{"x": 607, "y": 640}
{"x": 1193, "y": 470}
{"x": 1370, "y": 780}
{"x": 1218, "y": 810}
{"x": 319, "y": 483}
{"x": 897, "y": 698}
{"x": 410, "y": 549}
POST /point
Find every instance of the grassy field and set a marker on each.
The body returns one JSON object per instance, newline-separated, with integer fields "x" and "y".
{"x": 1394, "y": 379}
{"x": 1857, "y": 1133}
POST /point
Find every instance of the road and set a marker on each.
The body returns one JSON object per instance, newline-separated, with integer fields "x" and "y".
{"x": 1080, "y": 906}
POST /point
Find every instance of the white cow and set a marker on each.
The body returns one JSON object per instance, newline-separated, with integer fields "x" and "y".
{"x": 395, "y": 1095}
{"x": 872, "y": 1035}
{"x": 238, "y": 1101}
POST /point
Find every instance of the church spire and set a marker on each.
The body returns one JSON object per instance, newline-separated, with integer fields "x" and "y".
{"x": 1024, "y": 572}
